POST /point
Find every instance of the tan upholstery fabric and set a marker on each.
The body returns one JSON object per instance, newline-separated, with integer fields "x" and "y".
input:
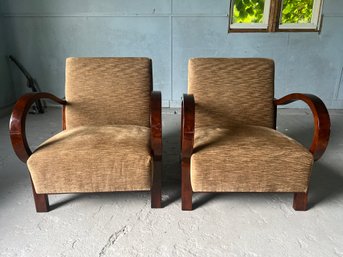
{"x": 93, "y": 159}
{"x": 108, "y": 91}
{"x": 232, "y": 91}
{"x": 248, "y": 159}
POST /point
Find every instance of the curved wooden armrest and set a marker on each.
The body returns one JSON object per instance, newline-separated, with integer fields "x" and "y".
{"x": 156, "y": 123}
{"x": 321, "y": 120}
{"x": 187, "y": 126}
{"x": 17, "y": 122}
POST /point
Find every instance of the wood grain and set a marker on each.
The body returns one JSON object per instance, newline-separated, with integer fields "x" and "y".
{"x": 41, "y": 200}
{"x": 156, "y": 148}
{"x": 274, "y": 14}
{"x": 64, "y": 125}
{"x": 300, "y": 201}
{"x": 320, "y": 138}
{"x": 18, "y": 119}
{"x": 187, "y": 143}
{"x": 321, "y": 119}
{"x": 19, "y": 140}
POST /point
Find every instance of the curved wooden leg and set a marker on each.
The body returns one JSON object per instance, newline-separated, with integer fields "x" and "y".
{"x": 186, "y": 187}
{"x": 156, "y": 184}
{"x": 300, "y": 201}
{"x": 41, "y": 201}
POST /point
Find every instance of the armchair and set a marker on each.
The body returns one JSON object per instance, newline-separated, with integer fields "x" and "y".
{"x": 228, "y": 137}
{"x": 112, "y": 132}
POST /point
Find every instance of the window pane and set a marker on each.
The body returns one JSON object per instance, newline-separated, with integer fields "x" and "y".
{"x": 248, "y": 11}
{"x": 297, "y": 11}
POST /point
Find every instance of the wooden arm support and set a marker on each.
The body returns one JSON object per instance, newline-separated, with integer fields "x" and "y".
{"x": 321, "y": 120}
{"x": 156, "y": 147}
{"x": 17, "y": 122}
{"x": 187, "y": 126}
{"x": 156, "y": 124}
{"x": 187, "y": 142}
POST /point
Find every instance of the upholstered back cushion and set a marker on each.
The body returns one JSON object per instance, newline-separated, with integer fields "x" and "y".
{"x": 108, "y": 91}
{"x": 232, "y": 91}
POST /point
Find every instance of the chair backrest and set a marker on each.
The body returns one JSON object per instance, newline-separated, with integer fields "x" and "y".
{"x": 108, "y": 91}
{"x": 232, "y": 91}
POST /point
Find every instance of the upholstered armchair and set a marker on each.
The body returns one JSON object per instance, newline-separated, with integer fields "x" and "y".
{"x": 112, "y": 132}
{"x": 229, "y": 139}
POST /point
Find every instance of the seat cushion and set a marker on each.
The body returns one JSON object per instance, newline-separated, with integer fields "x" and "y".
{"x": 248, "y": 159}
{"x": 93, "y": 159}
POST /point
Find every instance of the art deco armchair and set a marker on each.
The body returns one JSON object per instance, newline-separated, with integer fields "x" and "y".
{"x": 228, "y": 135}
{"x": 112, "y": 132}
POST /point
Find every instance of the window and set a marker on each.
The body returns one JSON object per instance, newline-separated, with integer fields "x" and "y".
{"x": 275, "y": 15}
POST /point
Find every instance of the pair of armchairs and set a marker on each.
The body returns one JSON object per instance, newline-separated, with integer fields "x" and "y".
{"x": 112, "y": 132}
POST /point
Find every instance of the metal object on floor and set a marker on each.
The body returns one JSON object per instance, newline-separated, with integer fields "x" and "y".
{"x": 39, "y": 105}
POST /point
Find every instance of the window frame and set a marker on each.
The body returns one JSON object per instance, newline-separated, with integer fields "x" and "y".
{"x": 271, "y": 20}
{"x": 255, "y": 26}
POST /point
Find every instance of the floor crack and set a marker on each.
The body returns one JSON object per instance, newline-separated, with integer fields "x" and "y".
{"x": 140, "y": 215}
{"x": 112, "y": 239}
{"x": 73, "y": 244}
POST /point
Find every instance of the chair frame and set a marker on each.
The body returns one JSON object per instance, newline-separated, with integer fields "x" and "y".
{"x": 319, "y": 144}
{"x": 23, "y": 151}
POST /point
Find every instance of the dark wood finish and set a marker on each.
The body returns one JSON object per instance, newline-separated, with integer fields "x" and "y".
{"x": 187, "y": 142}
{"x": 320, "y": 137}
{"x": 298, "y": 30}
{"x": 17, "y": 122}
{"x": 275, "y": 114}
{"x": 321, "y": 120}
{"x": 19, "y": 140}
{"x": 186, "y": 187}
{"x": 300, "y": 201}
{"x": 64, "y": 125}
{"x": 266, "y": 30}
{"x": 274, "y": 14}
{"x": 41, "y": 200}
{"x": 188, "y": 125}
{"x": 247, "y": 30}
{"x": 156, "y": 148}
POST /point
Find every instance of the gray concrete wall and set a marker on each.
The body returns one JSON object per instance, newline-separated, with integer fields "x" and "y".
{"x": 43, "y": 33}
{"x": 7, "y": 97}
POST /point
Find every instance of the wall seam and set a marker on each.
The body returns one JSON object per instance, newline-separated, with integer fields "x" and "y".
{"x": 338, "y": 88}
{"x": 7, "y": 15}
{"x": 171, "y": 52}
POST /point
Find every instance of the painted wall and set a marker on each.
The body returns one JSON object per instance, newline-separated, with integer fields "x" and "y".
{"x": 7, "y": 97}
{"x": 43, "y": 33}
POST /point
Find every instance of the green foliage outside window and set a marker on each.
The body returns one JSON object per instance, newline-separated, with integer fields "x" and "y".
{"x": 248, "y": 11}
{"x": 293, "y": 11}
{"x": 297, "y": 11}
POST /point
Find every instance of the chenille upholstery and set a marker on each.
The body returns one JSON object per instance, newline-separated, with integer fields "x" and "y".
{"x": 97, "y": 87}
{"x": 93, "y": 159}
{"x": 236, "y": 148}
{"x": 232, "y": 91}
{"x": 112, "y": 132}
{"x": 248, "y": 159}
{"x": 106, "y": 144}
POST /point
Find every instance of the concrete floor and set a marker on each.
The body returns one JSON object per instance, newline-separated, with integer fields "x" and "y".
{"x": 122, "y": 224}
